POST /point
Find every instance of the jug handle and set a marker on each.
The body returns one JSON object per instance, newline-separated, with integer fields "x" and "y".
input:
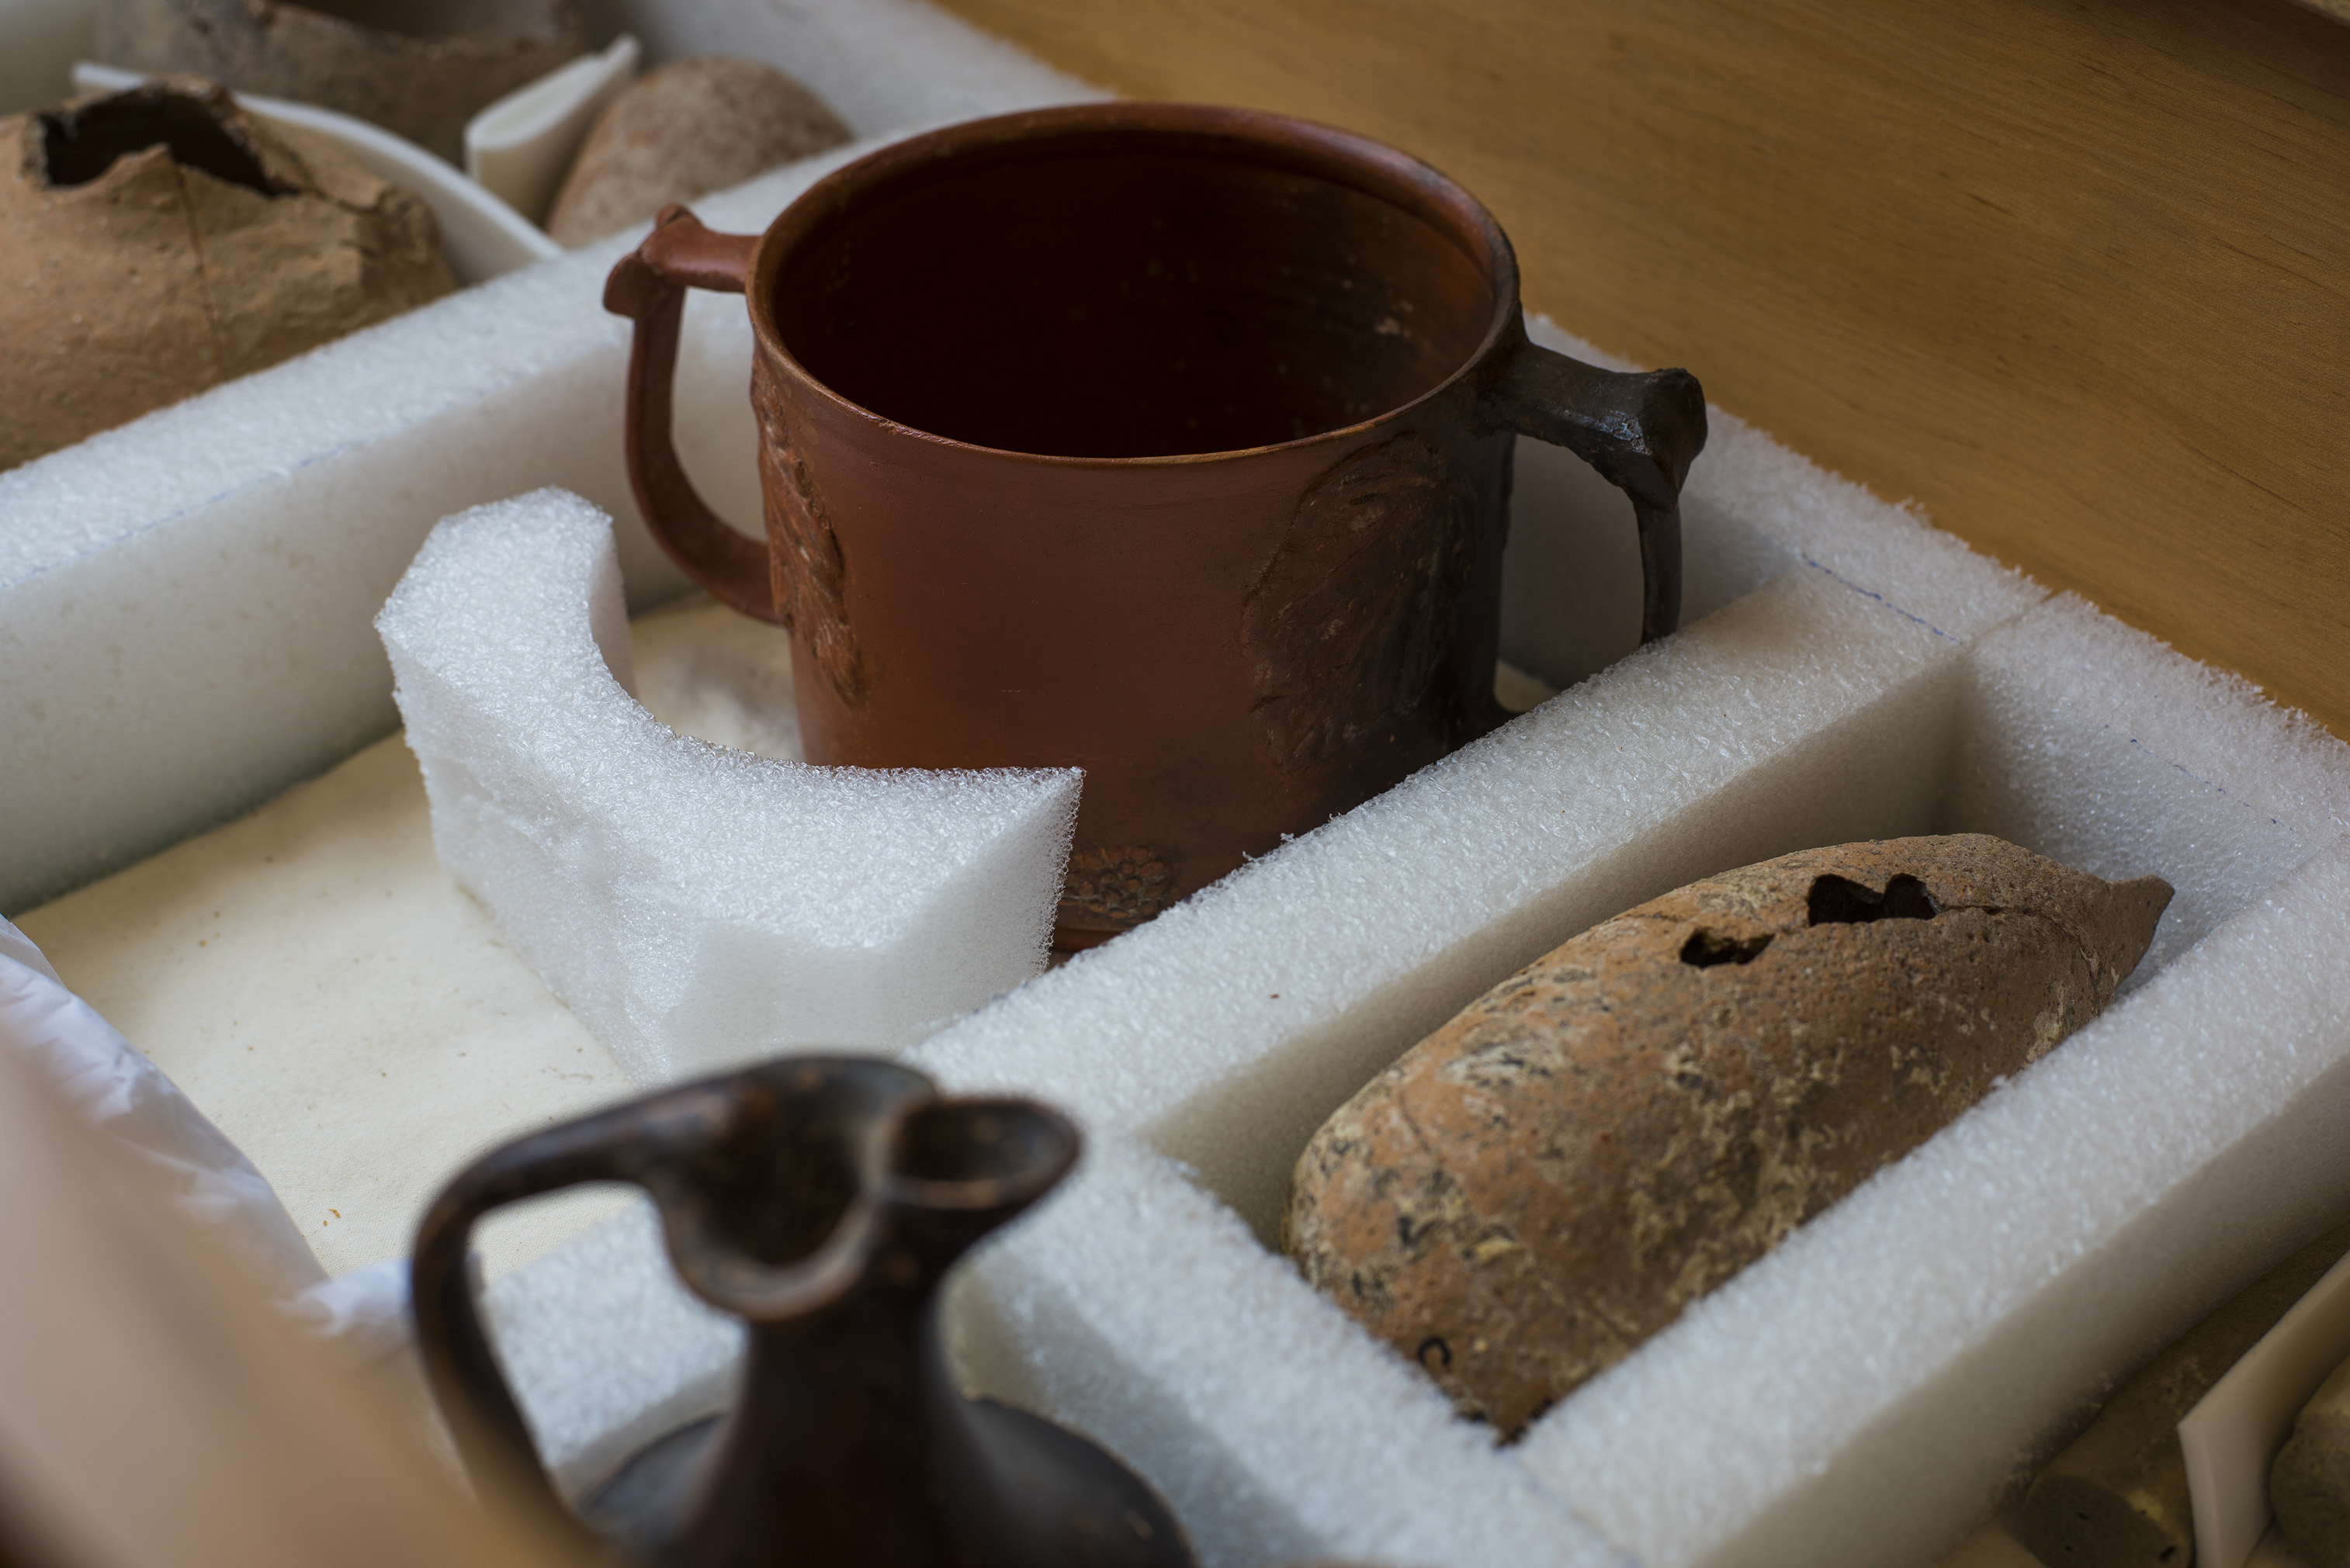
{"x": 1641, "y": 429}
{"x": 460, "y": 1365}
{"x": 649, "y": 287}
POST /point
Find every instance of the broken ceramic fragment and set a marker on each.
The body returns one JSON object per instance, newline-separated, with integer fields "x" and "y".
{"x": 419, "y": 70}
{"x": 156, "y": 242}
{"x": 691, "y": 127}
{"x": 1550, "y": 1178}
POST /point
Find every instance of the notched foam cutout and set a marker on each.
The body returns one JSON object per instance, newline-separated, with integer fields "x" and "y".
{"x": 697, "y": 907}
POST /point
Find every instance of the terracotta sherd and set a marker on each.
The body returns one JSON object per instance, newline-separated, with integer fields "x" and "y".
{"x": 156, "y": 242}
{"x": 1538, "y": 1187}
{"x": 420, "y": 69}
{"x": 691, "y": 127}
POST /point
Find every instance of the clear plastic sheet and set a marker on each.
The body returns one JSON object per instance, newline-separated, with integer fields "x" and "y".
{"x": 120, "y": 1093}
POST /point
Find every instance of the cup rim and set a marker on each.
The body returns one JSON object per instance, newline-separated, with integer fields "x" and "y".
{"x": 1370, "y": 166}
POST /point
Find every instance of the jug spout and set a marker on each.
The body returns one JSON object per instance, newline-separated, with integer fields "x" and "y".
{"x": 824, "y": 1202}
{"x": 849, "y": 1410}
{"x": 956, "y": 1169}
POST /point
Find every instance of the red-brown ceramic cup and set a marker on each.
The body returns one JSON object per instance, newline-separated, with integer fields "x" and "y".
{"x": 1172, "y": 443}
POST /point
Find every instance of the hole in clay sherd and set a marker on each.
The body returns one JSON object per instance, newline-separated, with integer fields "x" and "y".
{"x": 1705, "y": 948}
{"x": 80, "y": 144}
{"x": 1839, "y": 902}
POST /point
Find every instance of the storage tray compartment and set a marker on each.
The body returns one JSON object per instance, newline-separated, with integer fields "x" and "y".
{"x": 1868, "y": 1393}
{"x": 184, "y": 631}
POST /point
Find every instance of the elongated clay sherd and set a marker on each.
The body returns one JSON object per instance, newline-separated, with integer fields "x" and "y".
{"x": 1549, "y": 1179}
{"x": 696, "y": 906}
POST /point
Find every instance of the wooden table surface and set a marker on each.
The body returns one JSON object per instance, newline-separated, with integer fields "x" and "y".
{"x": 2069, "y": 273}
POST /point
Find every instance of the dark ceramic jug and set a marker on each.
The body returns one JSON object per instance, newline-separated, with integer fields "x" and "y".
{"x": 823, "y": 1202}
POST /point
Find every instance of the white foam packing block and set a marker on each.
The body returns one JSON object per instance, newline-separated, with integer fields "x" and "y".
{"x": 2210, "y": 1186}
{"x": 1865, "y": 1396}
{"x": 197, "y": 584}
{"x": 696, "y": 906}
{"x": 1819, "y": 707}
{"x": 1225, "y": 1031}
{"x": 605, "y": 1351}
{"x": 1812, "y": 694}
{"x": 2184, "y": 767}
{"x": 1230, "y": 1027}
{"x": 1139, "y": 1310}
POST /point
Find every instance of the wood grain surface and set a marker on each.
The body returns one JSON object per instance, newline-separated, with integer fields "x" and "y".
{"x": 2069, "y": 273}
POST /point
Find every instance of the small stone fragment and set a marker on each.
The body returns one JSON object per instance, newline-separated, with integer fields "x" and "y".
{"x": 2309, "y": 1485}
{"x": 156, "y": 242}
{"x": 691, "y": 127}
{"x": 419, "y": 70}
{"x": 2116, "y": 1496}
{"x": 1549, "y": 1179}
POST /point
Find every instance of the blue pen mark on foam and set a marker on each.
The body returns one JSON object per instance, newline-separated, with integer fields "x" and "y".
{"x": 1872, "y": 594}
{"x": 1839, "y": 577}
{"x": 2199, "y": 778}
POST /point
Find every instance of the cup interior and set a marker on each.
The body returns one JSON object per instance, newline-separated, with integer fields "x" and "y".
{"x": 1131, "y": 295}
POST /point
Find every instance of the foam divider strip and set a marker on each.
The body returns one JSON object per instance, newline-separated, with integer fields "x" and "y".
{"x": 1232, "y": 1025}
{"x": 2177, "y": 766}
{"x": 608, "y": 1302}
{"x": 1868, "y": 1392}
{"x": 697, "y": 907}
{"x": 1139, "y": 1309}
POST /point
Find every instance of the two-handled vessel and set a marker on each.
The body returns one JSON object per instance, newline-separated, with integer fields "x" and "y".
{"x": 1168, "y": 442}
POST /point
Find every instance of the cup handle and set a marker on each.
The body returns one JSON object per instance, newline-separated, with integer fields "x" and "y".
{"x": 1640, "y": 430}
{"x": 460, "y": 1365}
{"x": 649, "y": 287}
